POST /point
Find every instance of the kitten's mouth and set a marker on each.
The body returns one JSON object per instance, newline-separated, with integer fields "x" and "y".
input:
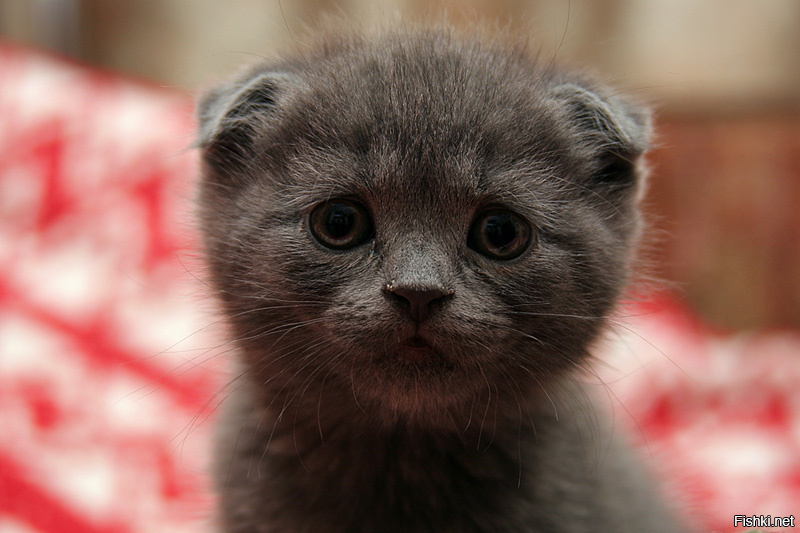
{"x": 416, "y": 350}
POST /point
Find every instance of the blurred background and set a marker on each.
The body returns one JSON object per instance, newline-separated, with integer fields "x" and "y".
{"x": 722, "y": 75}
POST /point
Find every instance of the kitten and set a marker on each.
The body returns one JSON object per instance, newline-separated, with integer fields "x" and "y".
{"x": 415, "y": 239}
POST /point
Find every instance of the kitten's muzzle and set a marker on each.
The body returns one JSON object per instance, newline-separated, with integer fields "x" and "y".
{"x": 416, "y": 350}
{"x": 416, "y": 299}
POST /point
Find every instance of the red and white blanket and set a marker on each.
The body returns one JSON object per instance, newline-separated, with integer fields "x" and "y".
{"x": 110, "y": 365}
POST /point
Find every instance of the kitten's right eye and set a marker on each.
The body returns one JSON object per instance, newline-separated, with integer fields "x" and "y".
{"x": 340, "y": 224}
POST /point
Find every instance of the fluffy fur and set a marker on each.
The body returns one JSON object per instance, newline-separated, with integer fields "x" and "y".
{"x": 334, "y": 424}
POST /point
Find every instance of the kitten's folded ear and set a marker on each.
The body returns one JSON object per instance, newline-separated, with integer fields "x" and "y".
{"x": 616, "y": 131}
{"x": 230, "y": 116}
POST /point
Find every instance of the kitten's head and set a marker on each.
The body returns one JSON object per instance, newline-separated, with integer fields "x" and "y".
{"x": 417, "y": 218}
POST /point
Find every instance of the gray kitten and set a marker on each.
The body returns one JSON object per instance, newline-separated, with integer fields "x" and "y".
{"x": 415, "y": 239}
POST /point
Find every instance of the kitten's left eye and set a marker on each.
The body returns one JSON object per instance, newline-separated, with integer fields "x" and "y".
{"x": 499, "y": 234}
{"x": 340, "y": 224}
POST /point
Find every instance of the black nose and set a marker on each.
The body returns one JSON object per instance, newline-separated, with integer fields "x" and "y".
{"x": 416, "y": 299}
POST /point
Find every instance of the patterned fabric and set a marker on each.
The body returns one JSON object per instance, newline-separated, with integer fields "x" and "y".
{"x": 104, "y": 385}
{"x": 110, "y": 363}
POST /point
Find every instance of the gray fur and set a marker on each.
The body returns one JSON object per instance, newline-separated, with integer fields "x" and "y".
{"x": 328, "y": 429}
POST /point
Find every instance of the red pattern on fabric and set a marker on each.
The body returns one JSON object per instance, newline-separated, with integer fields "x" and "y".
{"x": 26, "y": 500}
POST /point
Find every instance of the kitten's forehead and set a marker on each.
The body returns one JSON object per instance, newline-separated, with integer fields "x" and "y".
{"x": 392, "y": 179}
{"x": 418, "y": 127}
{"x": 387, "y": 175}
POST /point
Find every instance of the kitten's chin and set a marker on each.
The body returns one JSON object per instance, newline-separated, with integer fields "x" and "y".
{"x": 417, "y": 382}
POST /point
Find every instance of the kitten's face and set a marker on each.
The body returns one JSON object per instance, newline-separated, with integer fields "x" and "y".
{"x": 417, "y": 220}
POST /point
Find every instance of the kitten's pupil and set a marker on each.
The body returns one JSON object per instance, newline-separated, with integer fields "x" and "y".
{"x": 499, "y": 234}
{"x": 500, "y": 230}
{"x": 339, "y": 220}
{"x": 340, "y": 224}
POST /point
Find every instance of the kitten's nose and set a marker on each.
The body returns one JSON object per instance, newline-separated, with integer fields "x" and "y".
{"x": 417, "y": 298}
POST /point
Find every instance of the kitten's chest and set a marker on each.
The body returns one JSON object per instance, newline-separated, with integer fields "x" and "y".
{"x": 405, "y": 486}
